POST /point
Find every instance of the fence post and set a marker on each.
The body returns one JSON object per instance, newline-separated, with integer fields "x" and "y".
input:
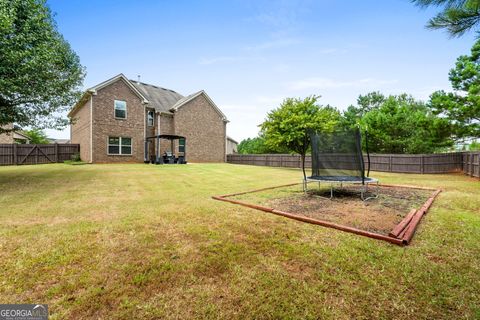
{"x": 56, "y": 152}
{"x": 422, "y": 164}
{"x": 15, "y": 154}
{"x": 471, "y": 164}
{"x": 390, "y": 163}
{"x": 478, "y": 155}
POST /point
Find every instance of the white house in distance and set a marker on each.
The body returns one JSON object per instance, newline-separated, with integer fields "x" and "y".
{"x": 231, "y": 146}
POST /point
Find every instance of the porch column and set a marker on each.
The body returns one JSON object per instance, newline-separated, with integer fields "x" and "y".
{"x": 158, "y": 150}
{"x": 145, "y": 151}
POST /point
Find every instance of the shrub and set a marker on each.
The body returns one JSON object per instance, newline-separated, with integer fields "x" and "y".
{"x": 76, "y": 157}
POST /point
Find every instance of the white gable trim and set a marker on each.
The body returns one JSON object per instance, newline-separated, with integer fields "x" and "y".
{"x": 93, "y": 91}
{"x": 181, "y": 103}
{"x": 114, "y": 79}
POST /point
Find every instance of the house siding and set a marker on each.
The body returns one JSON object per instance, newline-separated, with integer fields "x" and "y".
{"x": 7, "y": 137}
{"x": 80, "y": 130}
{"x": 105, "y": 124}
{"x": 204, "y": 130}
{"x": 167, "y": 127}
{"x": 231, "y": 146}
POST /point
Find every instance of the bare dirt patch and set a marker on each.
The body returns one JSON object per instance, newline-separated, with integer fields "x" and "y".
{"x": 378, "y": 215}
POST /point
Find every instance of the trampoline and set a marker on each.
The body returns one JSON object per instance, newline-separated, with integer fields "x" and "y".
{"x": 337, "y": 159}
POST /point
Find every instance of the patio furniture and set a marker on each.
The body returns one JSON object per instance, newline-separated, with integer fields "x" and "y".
{"x": 169, "y": 156}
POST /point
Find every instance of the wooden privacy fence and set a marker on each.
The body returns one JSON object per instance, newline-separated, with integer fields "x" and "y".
{"x": 402, "y": 163}
{"x": 471, "y": 164}
{"x": 16, "y": 154}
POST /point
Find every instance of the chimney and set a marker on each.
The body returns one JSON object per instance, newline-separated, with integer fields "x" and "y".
{"x": 138, "y": 78}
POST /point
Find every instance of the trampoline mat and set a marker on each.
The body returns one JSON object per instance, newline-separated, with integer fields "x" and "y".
{"x": 342, "y": 179}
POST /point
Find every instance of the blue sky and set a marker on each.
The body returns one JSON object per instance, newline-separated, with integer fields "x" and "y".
{"x": 250, "y": 55}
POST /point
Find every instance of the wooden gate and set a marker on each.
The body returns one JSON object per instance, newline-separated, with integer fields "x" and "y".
{"x": 17, "y": 154}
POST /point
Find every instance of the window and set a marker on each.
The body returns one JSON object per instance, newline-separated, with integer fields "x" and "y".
{"x": 150, "y": 116}
{"x": 181, "y": 145}
{"x": 119, "y": 145}
{"x": 120, "y": 109}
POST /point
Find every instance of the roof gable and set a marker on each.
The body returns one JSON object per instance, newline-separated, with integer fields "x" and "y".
{"x": 180, "y": 103}
{"x": 163, "y": 100}
{"x": 115, "y": 79}
{"x": 93, "y": 91}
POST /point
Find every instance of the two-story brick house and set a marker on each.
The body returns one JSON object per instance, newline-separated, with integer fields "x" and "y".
{"x": 113, "y": 119}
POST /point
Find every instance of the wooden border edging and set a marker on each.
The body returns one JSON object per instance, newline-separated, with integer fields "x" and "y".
{"x": 401, "y": 235}
{"x": 414, "y": 222}
{"x": 314, "y": 221}
{"x": 403, "y": 224}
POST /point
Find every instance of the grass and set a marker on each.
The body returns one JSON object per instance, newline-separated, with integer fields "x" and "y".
{"x": 74, "y": 162}
{"x": 144, "y": 241}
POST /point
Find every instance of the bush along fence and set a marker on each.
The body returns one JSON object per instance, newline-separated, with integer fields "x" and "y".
{"x": 468, "y": 162}
{"x": 16, "y": 154}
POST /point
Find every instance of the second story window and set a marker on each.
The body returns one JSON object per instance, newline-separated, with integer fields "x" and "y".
{"x": 150, "y": 117}
{"x": 120, "y": 109}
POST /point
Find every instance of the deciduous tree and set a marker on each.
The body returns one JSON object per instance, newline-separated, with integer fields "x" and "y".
{"x": 287, "y": 126}
{"x": 37, "y": 136}
{"x": 39, "y": 73}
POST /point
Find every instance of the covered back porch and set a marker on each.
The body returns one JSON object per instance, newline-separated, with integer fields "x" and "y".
{"x": 168, "y": 155}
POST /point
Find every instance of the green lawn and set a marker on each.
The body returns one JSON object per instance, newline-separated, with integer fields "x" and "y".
{"x": 144, "y": 241}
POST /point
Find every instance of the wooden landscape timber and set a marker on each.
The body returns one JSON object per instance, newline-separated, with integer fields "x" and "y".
{"x": 401, "y": 234}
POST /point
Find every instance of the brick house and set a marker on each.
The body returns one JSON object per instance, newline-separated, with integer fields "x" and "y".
{"x": 113, "y": 119}
{"x": 14, "y": 136}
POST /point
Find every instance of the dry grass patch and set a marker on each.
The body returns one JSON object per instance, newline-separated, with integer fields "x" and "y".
{"x": 148, "y": 242}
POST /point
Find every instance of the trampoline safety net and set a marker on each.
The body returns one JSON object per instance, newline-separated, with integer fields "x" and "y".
{"x": 337, "y": 156}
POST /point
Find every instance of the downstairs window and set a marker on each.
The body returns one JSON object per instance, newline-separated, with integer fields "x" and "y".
{"x": 120, "y": 145}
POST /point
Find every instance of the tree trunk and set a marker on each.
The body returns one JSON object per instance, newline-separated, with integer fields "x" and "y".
{"x": 303, "y": 167}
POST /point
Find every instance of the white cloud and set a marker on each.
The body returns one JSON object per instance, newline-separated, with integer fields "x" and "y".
{"x": 328, "y": 83}
{"x": 282, "y": 14}
{"x": 273, "y": 44}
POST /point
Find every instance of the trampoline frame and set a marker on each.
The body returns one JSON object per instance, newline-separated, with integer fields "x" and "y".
{"x": 363, "y": 190}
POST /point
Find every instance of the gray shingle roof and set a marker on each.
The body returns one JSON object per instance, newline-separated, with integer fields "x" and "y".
{"x": 182, "y": 100}
{"x": 160, "y": 98}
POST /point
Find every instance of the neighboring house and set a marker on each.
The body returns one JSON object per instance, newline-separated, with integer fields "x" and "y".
{"x": 59, "y": 141}
{"x": 13, "y": 136}
{"x": 231, "y": 146}
{"x": 113, "y": 119}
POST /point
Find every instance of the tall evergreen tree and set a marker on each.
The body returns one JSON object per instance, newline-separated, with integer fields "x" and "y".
{"x": 462, "y": 107}
{"x": 457, "y": 16}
